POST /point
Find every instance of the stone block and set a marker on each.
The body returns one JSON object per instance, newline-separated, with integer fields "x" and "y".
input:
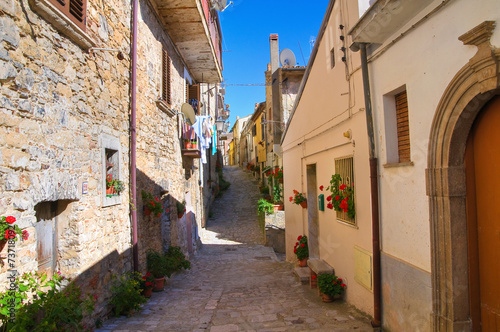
{"x": 302, "y": 273}
{"x": 7, "y": 70}
{"x": 9, "y": 31}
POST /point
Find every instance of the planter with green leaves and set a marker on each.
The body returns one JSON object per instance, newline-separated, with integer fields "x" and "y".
{"x": 301, "y": 250}
{"x": 127, "y": 293}
{"x": 152, "y": 205}
{"x": 330, "y": 286}
{"x": 157, "y": 266}
{"x": 265, "y": 207}
{"x": 181, "y": 208}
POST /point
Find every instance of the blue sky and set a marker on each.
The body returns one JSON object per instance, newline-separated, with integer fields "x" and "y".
{"x": 246, "y": 26}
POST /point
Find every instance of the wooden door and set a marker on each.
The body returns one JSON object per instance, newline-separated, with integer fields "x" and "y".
{"x": 46, "y": 236}
{"x": 483, "y": 213}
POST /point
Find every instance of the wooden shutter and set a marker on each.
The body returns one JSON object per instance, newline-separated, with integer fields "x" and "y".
{"x": 75, "y": 10}
{"x": 194, "y": 92}
{"x": 166, "y": 84}
{"x": 403, "y": 127}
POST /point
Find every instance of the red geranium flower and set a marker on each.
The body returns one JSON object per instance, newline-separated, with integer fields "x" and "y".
{"x": 329, "y": 198}
{"x": 149, "y": 284}
{"x": 295, "y": 250}
{"x": 342, "y": 285}
{"x": 159, "y": 214}
{"x": 8, "y": 233}
{"x": 300, "y": 237}
{"x": 10, "y": 219}
{"x": 149, "y": 274}
{"x": 296, "y": 244}
{"x": 330, "y": 206}
{"x": 291, "y": 198}
{"x": 313, "y": 277}
{"x": 295, "y": 191}
{"x": 25, "y": 235}
{"x": 337, "y": 197}
{"x": 302, "y": 245}
{"x": 156, "y": 199}
{"x": 143, "y": 278}
{"x": 342, "y": 186}
{"x": 321, "y": 188}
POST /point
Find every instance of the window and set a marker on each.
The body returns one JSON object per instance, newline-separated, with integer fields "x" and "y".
{"x": 332, "y": 57}
{"x": 166, "y": 88}
{"x": 193, "y": 96}
{"x": 68, "y": 16}
{"x": 75, "y": 10}
{"x": 254, "y": 130}
{"x": 403, "y": 128}
{"x": 344, "y": 167}
{"x": 397, "y": 128}
{"x": 111, "y": 166}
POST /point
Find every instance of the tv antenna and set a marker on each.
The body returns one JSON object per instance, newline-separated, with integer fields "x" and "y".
{"x": 287, "y": 58}
{"x": 220, "y": 5}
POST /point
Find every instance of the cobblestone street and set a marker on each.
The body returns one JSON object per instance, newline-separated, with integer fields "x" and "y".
{"x": 237, "y": 284}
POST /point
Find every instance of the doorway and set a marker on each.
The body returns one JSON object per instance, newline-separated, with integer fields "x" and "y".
{"x": 312, "y": 211}
{"x": 482, "y": 161}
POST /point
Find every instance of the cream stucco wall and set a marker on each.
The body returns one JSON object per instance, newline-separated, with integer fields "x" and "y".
{"x": 329, "y": 106}
{"x": 429, "y": 56}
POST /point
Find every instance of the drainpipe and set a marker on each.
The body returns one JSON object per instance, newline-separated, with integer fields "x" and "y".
{"x": 133, "y": 138}
{"x": 376, "y": 322}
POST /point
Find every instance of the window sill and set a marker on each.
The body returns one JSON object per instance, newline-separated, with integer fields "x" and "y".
{"x": 62, "y": 23}
{"x": 165, "y": 108}
{"x": 408, "y": 163}
{"x": 340, "y": 221}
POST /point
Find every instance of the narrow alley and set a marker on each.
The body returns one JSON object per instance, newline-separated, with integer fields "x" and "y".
{"x": 237, "y": 284}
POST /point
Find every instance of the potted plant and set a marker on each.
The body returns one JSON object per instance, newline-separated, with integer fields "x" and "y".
{"x": 330, "y": 286}
{"x": 342, "y": 197}
{"x": 176, "y": 260}
{"x": 299, "y": 199}
{"x": 277, "y": 196}
{"x": 147, "y": 284}
{"x": 181, "y": 208}
{"x": 263, "y": 206}
{"x": 157, "y": 266}
{"x": 127, "y": 295}
{"x": 152, "y": 205}
{"x": 301, "y": 250}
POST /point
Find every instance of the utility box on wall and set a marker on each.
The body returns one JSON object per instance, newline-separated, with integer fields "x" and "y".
{"x": 321, "y": 202}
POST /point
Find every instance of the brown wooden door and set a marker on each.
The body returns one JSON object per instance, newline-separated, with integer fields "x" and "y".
{"x": 483, "y": 211}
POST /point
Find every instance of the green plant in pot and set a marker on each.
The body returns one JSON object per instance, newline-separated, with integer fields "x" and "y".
{"x": 179, "y": 259}
{"x": 157, "y": 266}
{"x": 330, "y": 286}
{"x": 127, "y": 293}
{"x": 263, "y": 206}
{"x": 181, "y": 208}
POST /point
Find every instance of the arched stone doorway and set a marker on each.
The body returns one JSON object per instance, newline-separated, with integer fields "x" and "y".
{"x": 471, "y": 88}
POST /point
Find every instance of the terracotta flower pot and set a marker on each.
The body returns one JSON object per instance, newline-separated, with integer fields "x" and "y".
{"x": 304, "y": 204}
{"x": 147, "y": 211}
{"x": 159, "y": 284}
{"x": 109, "y": 191}
{"x": 327, "y": 298}
{"x": 147, "y": 292}
{"x": 180, "y": 214}
{"x": 303, "y": 262}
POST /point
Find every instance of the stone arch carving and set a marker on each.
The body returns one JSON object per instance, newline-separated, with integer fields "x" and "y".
{"x": 471, "y": 88}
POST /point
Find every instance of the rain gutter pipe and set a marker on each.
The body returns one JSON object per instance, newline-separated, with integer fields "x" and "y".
{"x": 376, "y": 322}
{"x": 133, "y": 137}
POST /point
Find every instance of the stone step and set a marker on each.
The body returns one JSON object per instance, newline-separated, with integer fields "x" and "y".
{"x": 302, "y": 273}
{"x": 319, "y": 266}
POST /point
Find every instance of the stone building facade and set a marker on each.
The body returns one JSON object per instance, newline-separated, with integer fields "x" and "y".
{"x": 65, "y": 125}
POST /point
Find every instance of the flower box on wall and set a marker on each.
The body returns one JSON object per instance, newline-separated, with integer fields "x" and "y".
{"x": 191, "y": 153}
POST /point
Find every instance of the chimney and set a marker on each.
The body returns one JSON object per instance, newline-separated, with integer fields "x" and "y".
{"x": 275, "y": 50}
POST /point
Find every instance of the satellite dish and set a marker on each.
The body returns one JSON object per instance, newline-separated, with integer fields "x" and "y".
{"x": 188, "y": 112}
{"x": 219, "y": 5}
{"x": 287, "y": 58}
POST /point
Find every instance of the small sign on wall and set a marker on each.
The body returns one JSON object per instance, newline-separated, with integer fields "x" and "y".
{"x": 321, "y": 202}
{"x": 85, "y": 188}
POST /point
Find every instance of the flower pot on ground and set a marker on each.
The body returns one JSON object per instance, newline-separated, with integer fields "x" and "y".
{"x": 156, "y": 264}
{"x": 159, "y": 284}
{"x": 127, "y": 297}
{"x": 303, "y": 204}
{"x": 331, "y": 286}
{"x": 147, "y": 284}
{"x": 301, "y": 249}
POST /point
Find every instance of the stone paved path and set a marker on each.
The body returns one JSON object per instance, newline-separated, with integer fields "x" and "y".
{"x": 237, "y": 284}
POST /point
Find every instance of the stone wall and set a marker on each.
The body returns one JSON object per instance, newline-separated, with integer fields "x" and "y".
{"x": 56, "y": 102}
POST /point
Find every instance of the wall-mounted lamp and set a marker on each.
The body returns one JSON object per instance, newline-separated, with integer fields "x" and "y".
{"x": 120, "y": 55}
